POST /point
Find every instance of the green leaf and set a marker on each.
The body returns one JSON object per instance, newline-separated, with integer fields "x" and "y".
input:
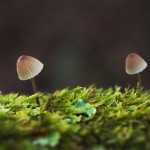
{"x": 51, "y": 140}
{"x": 88, "y": 109}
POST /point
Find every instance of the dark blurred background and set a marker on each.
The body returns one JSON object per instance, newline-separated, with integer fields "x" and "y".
{"x": 80, "y": 42}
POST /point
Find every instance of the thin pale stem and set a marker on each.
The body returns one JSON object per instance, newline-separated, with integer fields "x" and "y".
{"x": 34, "y": 85}
{"x": 35, "y": 90}
{"x": 139, "y": 82}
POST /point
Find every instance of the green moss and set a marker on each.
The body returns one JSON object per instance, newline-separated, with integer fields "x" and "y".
{"x": 76, "y": 119}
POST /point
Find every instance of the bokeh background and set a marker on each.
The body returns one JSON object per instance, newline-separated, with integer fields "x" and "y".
{"x": 80, "y": 42}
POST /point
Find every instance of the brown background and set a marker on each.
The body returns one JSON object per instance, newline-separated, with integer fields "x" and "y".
{"x": 80, "y": 42}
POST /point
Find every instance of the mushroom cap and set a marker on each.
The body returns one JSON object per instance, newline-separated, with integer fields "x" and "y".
{"x": 134, "y": 64}
{"x": 28, "y": 67}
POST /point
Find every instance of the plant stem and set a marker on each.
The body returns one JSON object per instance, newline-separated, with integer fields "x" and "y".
{"x": 35, "y": 90}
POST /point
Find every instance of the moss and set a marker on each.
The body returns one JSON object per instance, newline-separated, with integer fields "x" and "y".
{"x": 76, "y": 119}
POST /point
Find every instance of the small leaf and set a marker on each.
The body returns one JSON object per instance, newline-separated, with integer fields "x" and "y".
{"x": 90, "y": 112}
{"x": 52, "y": 140}
{"x": 79, "y": 104}
{"x": 87, "y": 110}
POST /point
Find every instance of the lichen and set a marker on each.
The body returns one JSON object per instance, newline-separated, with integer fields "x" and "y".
{"x": 77, "y": 119}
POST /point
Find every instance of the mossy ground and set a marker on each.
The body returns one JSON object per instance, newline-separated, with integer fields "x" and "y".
{"x": 76, "y": 119}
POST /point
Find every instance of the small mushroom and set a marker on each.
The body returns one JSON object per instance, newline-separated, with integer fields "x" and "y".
{"x": 135, "y": 64}
{"x": 27, "y": 68}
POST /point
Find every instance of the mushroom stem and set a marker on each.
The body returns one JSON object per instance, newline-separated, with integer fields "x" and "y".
{"x": 139, "y": 81}
{"x": 35, "y": 90}
{"x": 34, "y": 85}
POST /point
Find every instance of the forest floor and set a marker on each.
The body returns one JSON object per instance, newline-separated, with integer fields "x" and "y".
{"x": 76, "y": 119}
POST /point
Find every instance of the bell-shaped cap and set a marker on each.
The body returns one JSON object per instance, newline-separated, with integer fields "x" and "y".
{"x": 134, "y": 64}
{"x": 28, "y": 67}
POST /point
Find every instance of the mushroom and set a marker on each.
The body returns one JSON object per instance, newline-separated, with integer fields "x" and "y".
{"x": 27, "y": 68}
{"x": 135, "y": 64}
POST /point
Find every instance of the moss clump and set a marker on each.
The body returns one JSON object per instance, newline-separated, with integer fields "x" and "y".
{"x": 76, "y": 119}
